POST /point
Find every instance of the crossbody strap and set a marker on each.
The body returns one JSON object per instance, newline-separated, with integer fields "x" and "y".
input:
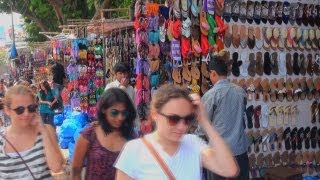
{"x": 24, "y": 162}
{"x": 155, "y": 154}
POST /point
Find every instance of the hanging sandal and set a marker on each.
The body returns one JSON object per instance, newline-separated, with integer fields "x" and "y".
{"x": 294, "y": 115}
{"x": 311, "y": 89}
{"x": 243, "y": 36}
{"x": 303, "y": 86}
{"x": 272, "y": 116}
{"x": 259, "y": 40}
{"x": 314, "y": 112}
{"x": 286, "y": 114}
{"x": 195, "y": 73}
{"x": 289, "y": 90}
{"x": 259, "y": 66}
{"x": 186, "y": 74}
{"x": 257, "y": 88}
{"x": 265, "y": 88}
{"x": 195, "y": 88}
{"x": 204, "y": 85}
{"x": 296, "y": 90}
{"x": 281, "y": 89}
{"x": 204, "y": 63}
{"x": 289, "y": 64}
{"x": 235, "y": 36}
{"x": 251, "y": 38}
{"x": 279, "y": 132}
{"x": 252, "y": 65}
{"x": 273, "y": 90}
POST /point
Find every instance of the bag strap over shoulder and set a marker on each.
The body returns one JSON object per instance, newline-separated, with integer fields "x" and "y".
{"x": 156, "y": 155}
{"x": 24, "y": 162}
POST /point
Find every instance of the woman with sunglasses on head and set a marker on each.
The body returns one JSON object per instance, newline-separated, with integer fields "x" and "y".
{"x": 28, "y": 148}
{"x": 46, "y": 100}
{"x": 101, "y": 142}
{"x": 183, "y": 155}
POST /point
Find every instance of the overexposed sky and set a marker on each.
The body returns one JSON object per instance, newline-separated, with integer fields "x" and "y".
{"x": 5, "y": 20}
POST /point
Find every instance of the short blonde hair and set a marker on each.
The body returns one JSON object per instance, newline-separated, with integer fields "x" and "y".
{"x": 17, "y": 90}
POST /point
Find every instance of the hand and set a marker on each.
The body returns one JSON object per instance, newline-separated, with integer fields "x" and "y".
{"x": 37, "y": 123}
{"x": 124, "y": 82}
{"x": 199, "y": 107}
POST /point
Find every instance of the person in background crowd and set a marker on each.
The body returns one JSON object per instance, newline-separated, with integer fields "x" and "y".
{"x": 22, "y": 82}
{"x": 28, "y": 137}
{"x": 101, "y": 142}
{"x": 174, "y": 110}
{"x": 34, "y": 88}
{"x": 121, "y": 71}
{"x": 46, "y": 100}
{"x": 225, "y": 104}
{"x": 3, "y": 88}
{"x": 30, "y": 80}
{"x": 10, "y": 84}
{"x": 4, "y": 121}
{"x": 58, "y": 77}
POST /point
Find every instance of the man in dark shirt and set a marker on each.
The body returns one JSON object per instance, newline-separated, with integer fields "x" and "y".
{"x": 58, "y": 76}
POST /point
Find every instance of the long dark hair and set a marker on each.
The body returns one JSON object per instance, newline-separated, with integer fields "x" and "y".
{"x": 43, "y": 93}
{"x": 109, "y": 98}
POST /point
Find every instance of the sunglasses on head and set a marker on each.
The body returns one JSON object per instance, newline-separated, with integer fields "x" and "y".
{"x": 31, "y": 108}
{"x": 115, "y": 113}
{"x": 175, "y": 119}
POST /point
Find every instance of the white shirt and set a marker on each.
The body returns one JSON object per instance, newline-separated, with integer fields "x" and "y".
{"x": 129, "y": 89}
{"x": 137, "y": 161}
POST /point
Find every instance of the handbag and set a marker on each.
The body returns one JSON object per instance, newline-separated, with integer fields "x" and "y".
{"x": 56, "y": 105}
{"x": 155, "y": 154}
{"x": 24, "y": 162}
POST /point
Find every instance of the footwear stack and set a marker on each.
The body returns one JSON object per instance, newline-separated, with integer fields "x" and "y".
{"x": 275, "y": 58}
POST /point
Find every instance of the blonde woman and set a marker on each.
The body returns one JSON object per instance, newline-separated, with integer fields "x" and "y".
{"x": 28, "y": 148}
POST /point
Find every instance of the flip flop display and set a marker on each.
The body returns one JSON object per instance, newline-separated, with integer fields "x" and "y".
{"x": 272, "y": 54}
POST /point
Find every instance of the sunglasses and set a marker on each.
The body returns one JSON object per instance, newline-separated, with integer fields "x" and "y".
{"x": 175, "y": 119}
{"x": 116, "y": 113}
{"x": 31, "y": 108}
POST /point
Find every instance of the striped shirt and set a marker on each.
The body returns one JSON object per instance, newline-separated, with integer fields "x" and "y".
{"x": 12, "y": 167}
{"x": 225, "y": 104}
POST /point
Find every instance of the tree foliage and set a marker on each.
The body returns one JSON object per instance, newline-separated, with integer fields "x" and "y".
{"x": 48, "y": 15}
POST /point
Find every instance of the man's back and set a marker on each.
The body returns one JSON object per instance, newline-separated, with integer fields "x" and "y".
{"x": 58, "y": 73}
{"x": 225, "y": 104}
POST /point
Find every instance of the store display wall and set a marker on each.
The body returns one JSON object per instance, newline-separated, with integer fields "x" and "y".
{"x": 265, "y": 51}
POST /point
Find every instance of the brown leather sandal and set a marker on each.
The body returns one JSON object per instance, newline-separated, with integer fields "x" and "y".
{"x": 311, "y": 91}
{"x": 176, "y": 75}
{"x": 273, "y": 90}
{"x": 235, "y": 36}
{"x": 204, "y": 69}
{"x": 289, "y": 64}
{"x": 186, "y": 74}
{"x": 303, "y": 85}
{"x": 265, "y": 89}
{"x": 195, "y": 73}
{"x": 257, "y": 88}
{"x": 252, "y": 65}
{"x": 281, "y": 89}
{"x": 289, "y": 89}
